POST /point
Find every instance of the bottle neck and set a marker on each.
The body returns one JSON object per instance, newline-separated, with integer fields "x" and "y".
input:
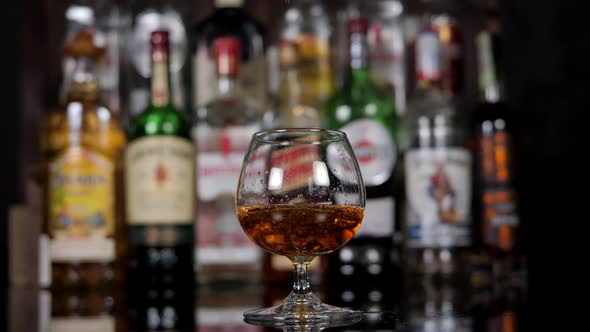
{"x": 291, "y": 86}
{"x": 83, "y": 85}
{"x": 490, "y": 89}
{"x": 160, "y": 84}
{"x": 359, "y": 58}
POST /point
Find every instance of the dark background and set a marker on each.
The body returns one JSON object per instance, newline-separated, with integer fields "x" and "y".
{"x": 548, "y": 69}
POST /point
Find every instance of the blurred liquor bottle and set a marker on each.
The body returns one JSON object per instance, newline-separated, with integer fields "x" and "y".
{"x": 296, "y": 108}
{"x": 81, "y": 243}
{"x": 222, "y": 133}
{"x": 160, "y": 198}
{"x": 304, "y": 48}
{"x": 149, "y": 16}
{"x": 305, "y": 83}
{"x": 496, "y": 204}
{"x": 437, "y": 165}
{"x": 366, "y": 113}
{"x": 228, "y": 19}
{"x": 386, "y": 46}
{"x": 108, "y": 22}
{"x": 441, "y": 62}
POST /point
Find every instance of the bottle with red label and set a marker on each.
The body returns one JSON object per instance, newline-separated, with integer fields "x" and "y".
{"x": 221, "y": 134}
{"x": 435, "y": 35}
{"x": 366, "y": 113}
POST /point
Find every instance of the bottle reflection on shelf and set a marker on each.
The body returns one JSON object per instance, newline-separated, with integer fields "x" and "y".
{"x": 222, "y": 309}
{"x": 163, "y": 299}
{"x": 367, "y": 279}
{"x": 91, "y": 310}
{"x": 437, "y": 305}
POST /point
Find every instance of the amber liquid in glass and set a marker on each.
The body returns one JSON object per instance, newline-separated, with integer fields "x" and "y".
{"x": 300, "y": 230}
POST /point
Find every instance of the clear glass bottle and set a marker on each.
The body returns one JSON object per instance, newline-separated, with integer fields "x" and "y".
{"x": 221, "y": 133}
{"x": 108, "y": 21}
{"x": 306, "y": 30}
{"x": 228, "y": 19}
{"x": 82, "y": 145}
{"x": 295, "y": 108}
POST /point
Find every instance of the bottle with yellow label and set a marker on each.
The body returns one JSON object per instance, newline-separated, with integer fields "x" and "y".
{"x": 82, "y": 143}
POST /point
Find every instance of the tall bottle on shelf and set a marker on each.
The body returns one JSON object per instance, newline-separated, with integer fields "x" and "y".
{"x": 221, "y": 133}
{"x": 437, "y": 47}
{"x": 82, "y": 145}
{"x": 366, "y": 113}
{"x": 386, "y": 45}
{"x": 496, "y": 200}
{"x": 228, "y": 19}
{"x": 305, "y": 34}
{"x": 108, "y": 21}
{"x": 160, "y": 198}
{"x": 437, "y": 165}
{"x": 148, "y": 16}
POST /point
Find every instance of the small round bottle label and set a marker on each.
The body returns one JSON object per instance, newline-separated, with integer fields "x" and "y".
{"x": 374, "y": 149}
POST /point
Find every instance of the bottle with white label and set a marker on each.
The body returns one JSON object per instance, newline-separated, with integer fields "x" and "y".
{"x": 228, "y": 19}
{"x": 160, "y": 198}
{"x": 222, "y": 133}
{"x": 366, "y": 113}
{"x": 437, "y": 166}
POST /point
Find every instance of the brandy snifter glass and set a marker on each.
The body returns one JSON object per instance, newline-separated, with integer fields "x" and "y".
{"x": 300, "y": 195}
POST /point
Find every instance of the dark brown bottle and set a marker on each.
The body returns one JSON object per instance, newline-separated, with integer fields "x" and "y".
{"x": 498, "y": 225}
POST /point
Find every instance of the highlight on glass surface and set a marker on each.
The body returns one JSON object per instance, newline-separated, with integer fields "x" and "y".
{"x": 300, "y": 195}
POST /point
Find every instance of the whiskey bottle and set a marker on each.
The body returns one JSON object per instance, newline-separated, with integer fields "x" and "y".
{"x": 160, "y": 198}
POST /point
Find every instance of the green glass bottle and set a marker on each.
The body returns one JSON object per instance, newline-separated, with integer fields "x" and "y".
{"x": 160, "y": 199}
{"x": 366, "y": 113}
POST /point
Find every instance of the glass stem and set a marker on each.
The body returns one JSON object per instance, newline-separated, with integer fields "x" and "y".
{"x": 301, "y": 283}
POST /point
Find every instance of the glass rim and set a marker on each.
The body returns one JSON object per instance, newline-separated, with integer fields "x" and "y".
{"x": 325, "y": 136}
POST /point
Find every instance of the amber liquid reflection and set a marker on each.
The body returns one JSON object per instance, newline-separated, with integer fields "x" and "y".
{"x": 300, "y": 230}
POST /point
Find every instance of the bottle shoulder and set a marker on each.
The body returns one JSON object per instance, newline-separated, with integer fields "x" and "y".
{"x": 234, "y": 109}
{"x": 82, "y": 124}
{"x": 349, "y": 104}
{"x": 160, "y": 121}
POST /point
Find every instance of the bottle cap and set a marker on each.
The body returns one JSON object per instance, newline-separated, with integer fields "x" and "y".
{"x": 358, "y": 25}
{"x": 160, "y": 41}
{"x": 227, "y": 54}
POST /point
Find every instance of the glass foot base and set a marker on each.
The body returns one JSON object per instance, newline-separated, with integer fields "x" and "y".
{"x": 303, "y": 309}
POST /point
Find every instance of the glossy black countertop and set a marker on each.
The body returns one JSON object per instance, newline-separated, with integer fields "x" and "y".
{"x": 427, "y": 307}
